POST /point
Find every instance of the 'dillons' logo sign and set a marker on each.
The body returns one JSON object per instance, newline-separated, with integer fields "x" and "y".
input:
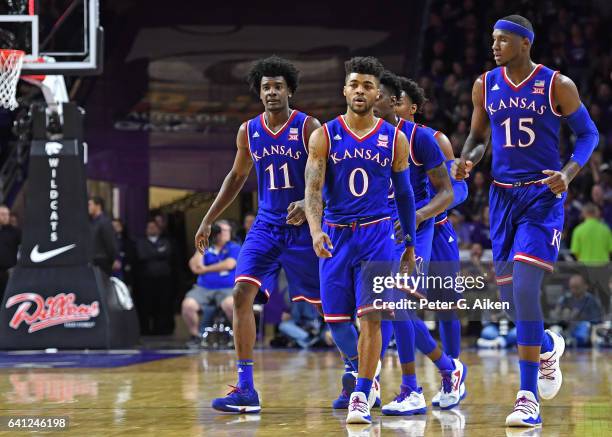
{"x": 39, "y": 313}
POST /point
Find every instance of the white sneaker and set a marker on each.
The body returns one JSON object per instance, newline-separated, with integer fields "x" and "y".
{"x": 550, "y": 379}
{"x": 526, "y": 410}
{"x": 376, "y": 387}
{"x": 407, "y": 403}
{"x": 435, "y": 401}
{"x": 374, "y": 396}
{"x": 451, "y": 383}
{"x": 358, "y": 409}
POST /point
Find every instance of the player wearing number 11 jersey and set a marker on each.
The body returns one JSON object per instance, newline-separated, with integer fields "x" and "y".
{"x": 275, "y": 142}
{"x": 521, "y": 103}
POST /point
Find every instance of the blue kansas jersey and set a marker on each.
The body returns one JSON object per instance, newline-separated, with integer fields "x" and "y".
{"x": 424, "y": 156}
{"x": 358, "y": 171}
{"x": 280, "y": 160}
{"x": 524, "y": 124}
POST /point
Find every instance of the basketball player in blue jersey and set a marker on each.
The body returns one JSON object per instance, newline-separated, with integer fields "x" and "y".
{"x": 428, "y": 169}
{"x": 521, "y": 104}
{"x": 351, "y": 160}
{"x": 275, "y": 142}
{"x": 444, "y": 249}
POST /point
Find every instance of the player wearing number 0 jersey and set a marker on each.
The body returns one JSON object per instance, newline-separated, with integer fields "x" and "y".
{"x": 521, "y": 103}
{"x": 275, "y": 143}
{"x": 352, "y": 158}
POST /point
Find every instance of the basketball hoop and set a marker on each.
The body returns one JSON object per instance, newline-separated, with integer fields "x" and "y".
{"x": 10, "y": 68}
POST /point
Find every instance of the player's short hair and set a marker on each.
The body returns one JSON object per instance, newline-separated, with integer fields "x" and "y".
{"x": 97, "y": 200}
{"x": 520, "y": 20}
{"x": 273, "y": 66}
{"x": 414, "y": 91}
{"x": 364, "y": 65}
{"x": 590, "y": 209}
{"x": 392, "y": 83}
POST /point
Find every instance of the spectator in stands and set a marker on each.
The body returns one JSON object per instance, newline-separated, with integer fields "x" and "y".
{"x": 14, "y": 220}
{"x": 122, "y": 268}
{"x": 154, "y": 288}
{"x": 162, "y": 224}
{"x": 480, "y": 232}
{"x": 10, "y": 239}
{"x": 592, "y": 245}
{"x": 214, "y": 287}
{"x": 103, "y": 236}
{"x": 604, "y": 205}
{"x": 462, "y": 229}
{"x": 301, "y": 324}
{"x": 578, "y": 309}
{"x": 479, "y": 195}
{"x": 247, "y": 222}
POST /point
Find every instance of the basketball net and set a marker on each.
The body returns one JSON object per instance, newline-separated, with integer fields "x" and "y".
{"x": 10, "y": 68}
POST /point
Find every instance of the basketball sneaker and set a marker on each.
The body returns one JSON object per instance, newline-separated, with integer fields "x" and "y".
{"x": 349, "y": 379}
{"x": 435, "y": 401}
{"x": 358, "y": 409}
{"x": 451, "y": 383}
{"x": 550, "y": 379}
{"x": 238, "y": 400}
{"x": 526, "y": 411}
{"x": 407, "y": 403}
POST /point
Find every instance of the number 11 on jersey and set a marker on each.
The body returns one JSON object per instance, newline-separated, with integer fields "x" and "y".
{"x": 285, "y": 170}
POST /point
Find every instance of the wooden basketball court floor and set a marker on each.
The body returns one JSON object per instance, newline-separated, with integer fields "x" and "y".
{"x": 171, "y": 397}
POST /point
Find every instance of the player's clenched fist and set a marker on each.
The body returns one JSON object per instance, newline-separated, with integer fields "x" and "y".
{"x": 461, "y": 169}
{"x": 296, "y": 215}
{"x": 407, "y": 262}
{"x": 201, "y": 237}
{"x": 557, "y": 181}
{"x": 319, "y": 241}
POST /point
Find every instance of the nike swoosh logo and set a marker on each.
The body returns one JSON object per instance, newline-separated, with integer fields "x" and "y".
{"x": 38, "y": 257}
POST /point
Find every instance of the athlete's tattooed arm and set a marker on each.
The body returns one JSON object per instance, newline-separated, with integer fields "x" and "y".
{"x": 480, "y": 130}
{"x": 296, "y": 213}
{"x": 315, "y": 178}
{"x": 438, "y": 176}
{"x": 233, "y": 183}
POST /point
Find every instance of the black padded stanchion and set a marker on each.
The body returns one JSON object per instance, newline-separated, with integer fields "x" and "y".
{"x": 55, "y": 298}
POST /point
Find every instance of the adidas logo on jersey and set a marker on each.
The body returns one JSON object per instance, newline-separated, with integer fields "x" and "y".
{"x": 451, "y": 239}
{"x": 495, "y": 87}
{"x": 256, "y": 134}
{"x": 337, "y": 137}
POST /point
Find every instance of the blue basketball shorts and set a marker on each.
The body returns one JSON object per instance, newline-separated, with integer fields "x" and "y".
{"x": 358, "y": 250}
{"x": 444, "y": 260}
{"x": 526, "y": 226}
{"x": 268, "y": 248}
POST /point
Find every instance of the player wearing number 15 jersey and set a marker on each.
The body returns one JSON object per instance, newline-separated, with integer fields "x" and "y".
{"x": 521, "y": 103}
{"x": 275, "y": 143}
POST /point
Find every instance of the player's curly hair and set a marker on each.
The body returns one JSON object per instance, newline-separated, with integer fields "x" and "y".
{"x": 414, "y": 91}
{"x": 271, "y": 67}
{"x": 364, "y": 65}
{"x": 392, "y": 83}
